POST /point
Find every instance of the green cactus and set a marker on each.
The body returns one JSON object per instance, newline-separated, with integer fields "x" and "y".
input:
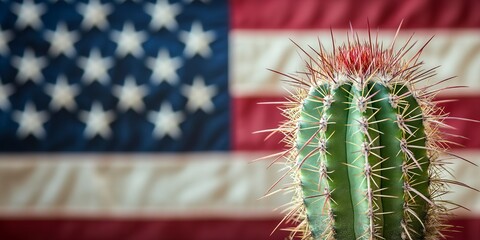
{"x": 364, "y": 146}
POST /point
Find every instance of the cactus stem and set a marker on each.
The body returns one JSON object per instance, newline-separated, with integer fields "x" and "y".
{"x": 364, "y": 145}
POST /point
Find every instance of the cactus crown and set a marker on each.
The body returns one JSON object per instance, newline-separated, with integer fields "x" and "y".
{"x": 364, "y": 145}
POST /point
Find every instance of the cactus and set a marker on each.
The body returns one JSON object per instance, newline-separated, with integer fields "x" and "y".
{"x": 364, "y": 145}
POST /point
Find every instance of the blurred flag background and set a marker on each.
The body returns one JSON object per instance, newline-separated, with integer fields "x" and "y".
{"x": 134, "y": 119}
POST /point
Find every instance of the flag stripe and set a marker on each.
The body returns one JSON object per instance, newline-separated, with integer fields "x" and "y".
{"x": 154, "y": 229}
{"x": 284, "y": 14}
{"x": 256, "y": 117}
{"x": 155, "y": 186}
{"x": 456, "y": 51}
{"x": 177, "y": 186}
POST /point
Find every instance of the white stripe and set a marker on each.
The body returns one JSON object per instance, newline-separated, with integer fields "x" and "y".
{"x": 173, "y": 186}
{"x": 203, "y": 185}
{"x": 469, "y": 174}
{"x": 253, "y": 51}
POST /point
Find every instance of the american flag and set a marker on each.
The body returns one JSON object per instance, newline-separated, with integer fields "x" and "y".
{"x": 134, "y": 119}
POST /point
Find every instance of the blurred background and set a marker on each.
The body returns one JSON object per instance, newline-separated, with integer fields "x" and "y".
{"x": 134, "y": 119}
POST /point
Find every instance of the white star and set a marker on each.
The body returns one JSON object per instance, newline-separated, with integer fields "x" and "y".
{"x": 199, "y": 95}
{"x": 164, "y": 67}
{"x": 95, "y": 67}
{"x": 29, "y": 67}
{"x": 5, "y": 91}
{"x": 62, "y": 94}
{"x": 61, "y": 40}
{"x": 163, "y": 15}
{"x": 197, "y": 41}
{"x": 30, "y": 121}
{"x": 130, "y": 95}
{"x": 94, "y": 14}
{"x": 5, "y": 37}
{"x": 28, "y": 14}
{"x": 97, "y": 121}
{"x": 129, "y": 41}
{"x": 166, "y": 121}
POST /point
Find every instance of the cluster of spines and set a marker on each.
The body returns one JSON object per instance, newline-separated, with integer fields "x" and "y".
{"x": 369, "y": 76}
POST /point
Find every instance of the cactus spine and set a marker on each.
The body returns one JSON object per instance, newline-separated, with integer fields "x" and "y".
{"x": 364, "y": 146}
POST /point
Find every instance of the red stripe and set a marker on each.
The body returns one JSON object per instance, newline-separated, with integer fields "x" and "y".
{"x": 310, "y": 14}
{"x": 153, "y": 229}
{"x": 250, "y": 117}
{"x": 465, "y": 107}
{"x": 157, "y": 229}
{"x": 468, "y": 228}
